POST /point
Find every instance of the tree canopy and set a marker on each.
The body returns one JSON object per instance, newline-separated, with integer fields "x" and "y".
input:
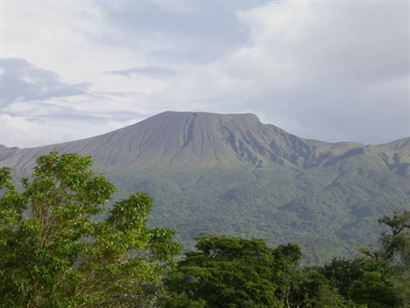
{"x": 227, "y": 271}
{"x": 60, "y": 247}
{"x": 54, "y": 252}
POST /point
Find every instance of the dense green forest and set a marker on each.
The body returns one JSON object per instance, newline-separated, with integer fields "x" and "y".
{"x": 59, "y": 248}
{"x": 231, "y": 174}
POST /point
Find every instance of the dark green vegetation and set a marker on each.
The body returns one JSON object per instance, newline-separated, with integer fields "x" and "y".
{"x": 232, "y": 272}
{"x": 54, "y": 252}
{"x": 233, "y": 175}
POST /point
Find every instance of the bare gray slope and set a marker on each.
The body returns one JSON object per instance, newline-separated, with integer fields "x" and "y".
{"x": 179, "y": 138}
{"x": 174, "y": 139}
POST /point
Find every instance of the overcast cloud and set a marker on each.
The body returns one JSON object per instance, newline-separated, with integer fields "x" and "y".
{"x": 327, "y": 70}
{"x": 152, "y": 71}
{"x": 23, "y": 82}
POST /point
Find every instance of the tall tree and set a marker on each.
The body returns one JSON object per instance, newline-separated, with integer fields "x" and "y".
{"x": 364, "y": 281}
{"x": 395, "y": 247}
{"x": 395, "y": 250}
{"x": 233, "y": 272}
{"x": 396, "y": 244}
{"x": 55, "y": 253}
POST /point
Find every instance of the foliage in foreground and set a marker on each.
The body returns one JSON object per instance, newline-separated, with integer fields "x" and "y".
{"x": 54, "y": 253}
{"x": 232, "y": 272}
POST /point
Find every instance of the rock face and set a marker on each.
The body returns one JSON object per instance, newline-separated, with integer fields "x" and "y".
{"x": 234, "y": 174}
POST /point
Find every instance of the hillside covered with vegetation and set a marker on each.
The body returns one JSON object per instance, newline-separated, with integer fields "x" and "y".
{"x": 57, "y": 249}
{"x": 234, "y": 175}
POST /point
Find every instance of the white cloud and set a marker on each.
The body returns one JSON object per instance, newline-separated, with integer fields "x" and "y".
{"x": 332, "y": 70}
{"x": 22, "y": 81}
{"x": 181, "y": 6}
{"x": 16, "y": 130}
{"x": 69, "y": 38}
{"x": 324, "y": 62}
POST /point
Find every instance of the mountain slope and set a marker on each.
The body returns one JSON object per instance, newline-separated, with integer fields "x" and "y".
{"x": 233, "y": 174}
{"x": 173, "y": 139}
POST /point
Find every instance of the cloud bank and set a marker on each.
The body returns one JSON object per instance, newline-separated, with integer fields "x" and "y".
{"x": 325, "y": 70}
{"x": 23, "y": 82}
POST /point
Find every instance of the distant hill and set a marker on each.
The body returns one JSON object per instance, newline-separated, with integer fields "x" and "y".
{"x": 233, "y": 174}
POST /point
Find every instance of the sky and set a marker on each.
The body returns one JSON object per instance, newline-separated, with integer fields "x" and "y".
{"x": 330, "y": 70}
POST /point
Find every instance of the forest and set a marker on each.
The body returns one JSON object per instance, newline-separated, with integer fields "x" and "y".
{"x": 61, "y": 247}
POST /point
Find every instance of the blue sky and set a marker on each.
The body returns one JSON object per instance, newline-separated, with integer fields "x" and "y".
{"x": 330, "y": 70}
